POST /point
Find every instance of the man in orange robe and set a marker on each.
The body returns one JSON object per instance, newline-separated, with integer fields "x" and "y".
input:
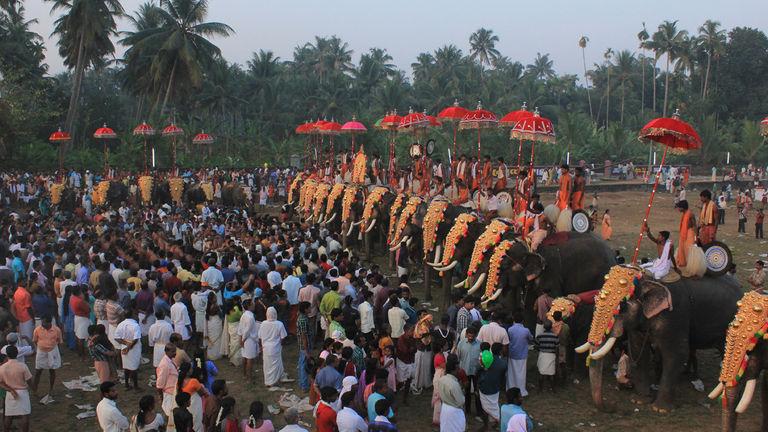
{"x": 707, "y": 218}
{"x": 687, "y": 233}
{"x": 522, "y": 189}
{"x": 463, "y": 192}
{"x": 501, "y": 176}
{"x": 577, "y": 195}
{"x": 564, "y": 193}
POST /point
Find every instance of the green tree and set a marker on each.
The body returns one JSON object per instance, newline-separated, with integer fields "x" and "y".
{"x": 583, "y": 41}
{"x": 712, "y": 41}
{"x": 642, "y": 37}
{"x": 667, "y": 41}
{"x": 483, "y": 47}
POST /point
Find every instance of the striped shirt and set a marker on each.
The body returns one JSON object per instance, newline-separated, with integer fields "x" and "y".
{"x": 547, "y": 342}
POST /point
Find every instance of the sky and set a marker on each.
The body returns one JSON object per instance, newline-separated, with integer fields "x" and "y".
{"x": 407, "y": 28}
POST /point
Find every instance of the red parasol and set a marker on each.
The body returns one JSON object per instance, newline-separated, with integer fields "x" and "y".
{"x": 412, "y": 121}
{"x": 764, "y": 127}
{"x": 433, "y": 121}
{"x": 330, "y": 128}
{"x": 453, "y": 114}
{"x": 202, "y": 138}
{"x": 173, "y": 131}
{"x": 144, "y": 130}
{"x": 510, "y": 120}
{"x": 60, "y": 137}
{"x": 105, "y": 133}
{"x": 479, "y": 119}
{"x": 674, "y": 134}
{"x": 353, "y": 128}
{"x": 390, "y": 121}
{"x": 304, "y": 128}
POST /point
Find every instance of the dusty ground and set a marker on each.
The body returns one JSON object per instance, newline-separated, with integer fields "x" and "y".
{"x": 569, "y": 409}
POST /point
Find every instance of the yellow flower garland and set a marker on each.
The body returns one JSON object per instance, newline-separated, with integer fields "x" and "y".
{"x": 346, "y": 204}
{"x": 488, "y": 239}
{"x": 145, "y": 187}
{"x": 494, "y": 266}
{"x": 207, "y": 188}
{"x": 306, "y": 192}
{"x": 358, "y": 167}
{"x": 100, "y": 193}
{"x": 619, "y": 285}
{"x": 336, "y": 192}
{"x": 309, "y": 195}
{"x": 405, "y": 217}
{"x": 748, "y": 326}
{"x": 56, "y": 190}
{"x": 176, "y": 185}
{"x": 321, "y": 193}
{"x": 394, "y": 211}
{"x": 457, "y": 232}
{"x": 433, "y": 218}
{"x": 294, "y": 185}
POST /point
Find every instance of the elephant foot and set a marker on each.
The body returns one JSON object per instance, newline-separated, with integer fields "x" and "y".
{"x": 661, "y": 408}
{"x": 637, "y": 401}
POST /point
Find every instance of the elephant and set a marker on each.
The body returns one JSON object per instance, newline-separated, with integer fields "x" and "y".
{"x": 375, "y": 225}
{"x": 194, "y": 195}
{"x": 232, "y": 195}
{"x": 749, "y": 325}
{"x": 672, "y": 319}
{"x": 457, "y": 249}
{"x": 68, "y": 200}
{"x": 350, "y": 213}
{"x": 117, "y": 193}
{"x": 331, "y": 212}
{"x": 161, "y": 193}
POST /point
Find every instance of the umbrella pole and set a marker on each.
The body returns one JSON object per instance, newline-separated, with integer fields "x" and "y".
{"x": 454, "y": 140}
{"x": 519, "y": 155}
{"x": 106, "y": 160}
{"x": 648, "y": 209}
{"x": 145, "y": 156}
{"x": 478, "y": 145}
{"x": 353, "y": 143}
{"x": 61, "y": 162}
{"x": 173, "y": 153}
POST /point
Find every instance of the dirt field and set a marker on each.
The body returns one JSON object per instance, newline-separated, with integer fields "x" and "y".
{"x": 568, "y": 409}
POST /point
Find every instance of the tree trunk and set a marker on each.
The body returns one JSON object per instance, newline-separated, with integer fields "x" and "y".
{"x": 654, "y": 86}
{"x": 427, "y": 282}
{"x": 170, "y": 86}
{"x": 706, "y": 77}
{"x": 74, "y": 98}
{"x": 642, "y": 86}
{"x": 621, "y": 118}
{"x": 586, "y": 82}
{"x": 666, "y": 89}
{"x": 608, "y": 100}
{"x": 596, "y": 382}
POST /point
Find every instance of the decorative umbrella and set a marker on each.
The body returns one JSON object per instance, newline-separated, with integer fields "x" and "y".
{"x": 144, "y": 130}
{"x": 353, "y": 128}
{"x": 433, "y": 121}
{"x": 510, "y": 120}
{"x": 203, "y": 139}
{"x": 412, "y": 121}
{"x": 173, "y": 131}
{"x": 534, "y": 128}
{"x": 60, "y": 137}
{"x": 105, "y": 133}
{"x": 453, "y": 114}
{"x": 674, "y": 134}
{"x": 764, "y": 127}
{"x": 390, "y": 122}
{"x": 305, "y": 129}
{"x": 479, "y": 119}
{"x": 331, "y": 128}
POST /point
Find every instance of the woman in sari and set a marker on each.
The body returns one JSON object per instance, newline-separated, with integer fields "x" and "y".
{"x": 215, "y": 328}
{"x": 271, "y": 333}
{"x": 423, "y": 333}
{"x": 191, "y": 382}
{"x": 607, "y": 227}
{"x": 233, "y": 314}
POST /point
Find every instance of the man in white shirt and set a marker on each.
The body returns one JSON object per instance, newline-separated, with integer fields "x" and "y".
{"x": 108, "y": 414}
{"x": 200, "y": 305}
{"x": 347, "y": 419}
{"x": 248, "y": 330}
{"x": 396, "y": 317}
{"x": 180, "y": 318}
{"x": 158, "y": 336}
{"x": 128, "y": 335}
{"x": 493, "y": 332}
{"x": 366, "y": 316}
{"x": 212, "y": 276}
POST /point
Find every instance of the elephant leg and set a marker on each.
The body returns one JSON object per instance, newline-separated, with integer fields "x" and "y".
{"x": 427, "y": 282}
{"x": 672, "y": 368}
{"x": 641, "y": 374}
{"x": 763, "y": 400}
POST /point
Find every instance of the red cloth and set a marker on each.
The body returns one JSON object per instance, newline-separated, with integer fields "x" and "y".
{"x": 587, "y": 297}
{"x": 326, "y": 419}
{"x": 557, "y": 238}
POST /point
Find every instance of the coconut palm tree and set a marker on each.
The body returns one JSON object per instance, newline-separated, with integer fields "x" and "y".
{"x": 541, "y": 68}
{"x": 642, "y": 37}
{"x": 583, "y": 40}
{"x": 84, "y": 30}
{"x": 667, "y": 42}
{"x": 483, "y": 46}
{"x": 607, "y": 56}
{"x": 625, "y": 65}
{"x": 712, "y": 41}
{"x": 183, "y": 48}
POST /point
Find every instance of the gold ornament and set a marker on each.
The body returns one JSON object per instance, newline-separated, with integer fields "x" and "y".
{"x": 358, "y": 167}
{"x": 145, "y": 186}
{"x": 56, "y": 190}
{"x": 346, "y": 204}
{"x": 615, "y": 289}
{"x": 748, "y": 326}
{"x": 488, "y": 239}
{"x": 405, "y": 217}
{"x": 494, "y": 266}
{"x": 394, "y": 211}
{"x": 306, "y": 193}
{"x": 457, "y": 232}
{"x": 373, "y": 198}
{"x": 207, "y": 188}
{"x": 563, "y": 305}
{"x": 435, "y": 215}
{"x": 292, "y": 188}
{"x": 176, "y": 185}
{"x": 321, "y": 193}
{"x": 336, "y": 192}
{"x": 100, "y": 193}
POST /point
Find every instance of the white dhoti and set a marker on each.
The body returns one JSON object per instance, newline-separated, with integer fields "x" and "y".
{"x": 235, "y": 351}
{"x": 516, "y": 373}
{"x": 452, "y": 419}
{"x": 111, "y": 335}
{"x": 273, "y": 368}
{"x": 48, "y": 359}
{"x": 81, "y": 327}
{"x": 182, "y": 330}
{"x": 145, "y": 326}
{"x": 17, "y": 406}
{"x": 661, "y": 265}
{"x": 490, "y": 404}
{"x": 213, "y": 333}
{"x": 547, "y": 363}
{"x": 158, "y": 351}
{"x": 250, "y": 349}
{"x": 132, "y": 360}
{"x": 26, "y": 328}
{"x": 405, "y": 371}
{"x": 196, "y": 408}
{"x": 169, "y": 403}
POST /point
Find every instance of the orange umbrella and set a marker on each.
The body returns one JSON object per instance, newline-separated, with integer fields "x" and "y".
{"x": 144, "y": 130}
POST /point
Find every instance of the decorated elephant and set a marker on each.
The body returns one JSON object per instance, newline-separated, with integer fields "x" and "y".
{"x": 110, "y": 193}
{"x": 232, "y": 195}
{"x": 374, "y": 223}
{"x": 352, "y": 206}
{"x": 161, "y": 193}
{"x": 672, "y": 319}
{"x": 330, "y": 213}
{"x": 194, "y": 195}
{"x": 746, "y": 356}
{"x": 68, "y": 200}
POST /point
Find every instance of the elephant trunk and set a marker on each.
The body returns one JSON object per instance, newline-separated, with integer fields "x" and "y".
{"x": 596, "y": 382}
{"x": 729, "y": 414}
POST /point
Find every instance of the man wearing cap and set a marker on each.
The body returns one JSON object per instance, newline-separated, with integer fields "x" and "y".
{"x": 23, "y": 350}
{"x": 490, "y": 382}
{"x": 14, "y": 379}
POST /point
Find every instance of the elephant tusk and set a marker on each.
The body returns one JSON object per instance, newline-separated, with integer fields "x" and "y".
{"x": 357, "y": 223}
{"x": 746, "y": 397}
{"x": 478, "y": 283}
{"x": 309, "y": 218}
{"x": 351, "y": 227}
{"x": 370, "y": 227}
{"x": 492, "y": 298}
{"x": 605, "y": 349}
{"x": 321, "y": 219}
{"x": 581, "y": 349}
{"x": 716, "y": 392}
{"x": 408, "y": 242}
{"x": 438, "y": 253}
{"x": 460, "y": 284}
{"x": 448, "y": 267}
{"x": 399, "y": 244}
{"x": 331, "y": 219}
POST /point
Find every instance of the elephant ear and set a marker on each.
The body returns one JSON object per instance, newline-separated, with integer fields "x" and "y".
{"x": 655, "y": 299}
{"x": 533, "y": 266}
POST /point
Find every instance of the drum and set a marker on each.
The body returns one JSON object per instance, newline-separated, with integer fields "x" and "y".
{"x": 718, "y": 258}
{"x": 580, "y": 221}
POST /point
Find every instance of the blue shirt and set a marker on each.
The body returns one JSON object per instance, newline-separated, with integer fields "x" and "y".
{"x": 509, "y": 410}
{"x": 328, "y": 377}
{"x": 18, "y": 269}
{"x": 82, "y": 276}
{"x": 519, "y": 338}
{"x": 43, "y": 306}
{"x": 469, "y": 353}
{"x": 372, "y": 399}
